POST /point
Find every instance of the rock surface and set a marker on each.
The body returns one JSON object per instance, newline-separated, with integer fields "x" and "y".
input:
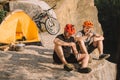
{"x": 36, "y": 63}
{"x": 76, "y": 12}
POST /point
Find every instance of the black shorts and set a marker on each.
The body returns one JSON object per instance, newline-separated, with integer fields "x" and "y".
{"x": 90, "y": 48}
{"x": 70, "y": 59}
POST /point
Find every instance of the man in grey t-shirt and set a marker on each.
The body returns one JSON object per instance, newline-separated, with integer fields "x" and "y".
{"x": 89, "y": 40}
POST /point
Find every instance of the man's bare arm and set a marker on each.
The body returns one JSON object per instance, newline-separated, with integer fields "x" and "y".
{"x": 60, "y": 42}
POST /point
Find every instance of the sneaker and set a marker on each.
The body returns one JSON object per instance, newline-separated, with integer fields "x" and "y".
{"x": 104, "y": 56}
{"x": 84, "y": 70}
{"x": 68, "y": 67}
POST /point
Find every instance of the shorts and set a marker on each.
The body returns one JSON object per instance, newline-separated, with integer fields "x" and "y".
{"x": 90, "y": 48}
{"x": 70, "y": 59}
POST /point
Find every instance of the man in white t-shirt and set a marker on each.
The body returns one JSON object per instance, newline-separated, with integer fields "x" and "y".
{"x": 88, "y": 40}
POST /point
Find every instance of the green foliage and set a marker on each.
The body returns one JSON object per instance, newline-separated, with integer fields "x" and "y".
{"x": 108, "y": 9}
{"x": 2, "y": 15}
{"x": 109, "y": 17}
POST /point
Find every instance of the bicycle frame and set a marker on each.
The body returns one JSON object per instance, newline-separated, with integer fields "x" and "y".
{"x": 46, "y": 18}
{"x": 44, "y": 14}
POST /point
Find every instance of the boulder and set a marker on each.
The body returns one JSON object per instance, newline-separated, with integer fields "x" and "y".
{"x": 76, "y": 12}
{"x": 36, "y": 63}
{"x": 31, "y": 7}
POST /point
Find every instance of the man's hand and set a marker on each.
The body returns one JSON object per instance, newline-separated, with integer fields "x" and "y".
{"x": 97, "y": 38}
{"x": 73, "y": 45}
{"x": 90, "y": 34}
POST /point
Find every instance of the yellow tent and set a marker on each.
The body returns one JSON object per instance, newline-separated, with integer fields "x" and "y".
{"x": 16, "y": 26}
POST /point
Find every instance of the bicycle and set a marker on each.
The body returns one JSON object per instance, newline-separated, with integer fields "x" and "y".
{"x": 51, "y": 24}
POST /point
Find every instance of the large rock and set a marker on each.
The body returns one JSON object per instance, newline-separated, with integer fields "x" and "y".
{"x": 36, "y": 63}
{"x": 76, "y": 12}
{"x": 73, "y": 11}
{"x": 31, "y": 7}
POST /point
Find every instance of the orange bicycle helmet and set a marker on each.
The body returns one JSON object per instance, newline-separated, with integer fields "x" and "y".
{"x": 70, "y": 29}
{"x": 88, "y": 24}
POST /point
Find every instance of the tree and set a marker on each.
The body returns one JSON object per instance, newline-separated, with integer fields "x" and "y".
{"x": 108, "y": 15}
{"x": 2, "y": 15}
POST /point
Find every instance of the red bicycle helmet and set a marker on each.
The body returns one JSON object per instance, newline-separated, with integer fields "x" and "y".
{"x": 88, "y": 24}
{"x": 70, "y": 29}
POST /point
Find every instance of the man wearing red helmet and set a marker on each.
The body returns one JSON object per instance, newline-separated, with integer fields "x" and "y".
{"x": 89, "y": 40}
{"x": 65, "y": 51}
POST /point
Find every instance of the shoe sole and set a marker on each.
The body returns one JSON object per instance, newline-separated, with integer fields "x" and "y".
{"x": 105, "y": 57}
{"x": 68, "y": 68}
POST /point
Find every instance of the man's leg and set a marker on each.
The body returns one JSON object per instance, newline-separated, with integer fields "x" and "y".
{"x": 100, "y": 48}
{"x": 99, "y": 44}
{"x": 83, "y": 58}
{"x": 59, "y": 51}
{"x": 60, "y": 54}
{"x": 82, "y": 46}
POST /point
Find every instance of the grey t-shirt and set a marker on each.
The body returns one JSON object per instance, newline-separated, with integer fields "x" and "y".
{"x": 87, "y": 40}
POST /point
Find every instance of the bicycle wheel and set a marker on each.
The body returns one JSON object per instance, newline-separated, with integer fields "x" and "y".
{"x": 52, "y": 26}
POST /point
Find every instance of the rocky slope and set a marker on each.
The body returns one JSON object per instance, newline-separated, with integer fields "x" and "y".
{"x": 36, "y": 63}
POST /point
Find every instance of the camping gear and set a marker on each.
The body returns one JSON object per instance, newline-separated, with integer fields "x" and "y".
{"x": 19, "y": 47}
{"x": 18, "y": 26}
{"x": 4, "y": 48}
{"x": 13, "y": 47}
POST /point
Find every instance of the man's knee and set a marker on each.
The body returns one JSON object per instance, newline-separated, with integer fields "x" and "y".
{"x": 98, "y": 38}
{"x": 80, "y": 41}
{"x": 84, "y": 55}
{"x": 87, "y": 55}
